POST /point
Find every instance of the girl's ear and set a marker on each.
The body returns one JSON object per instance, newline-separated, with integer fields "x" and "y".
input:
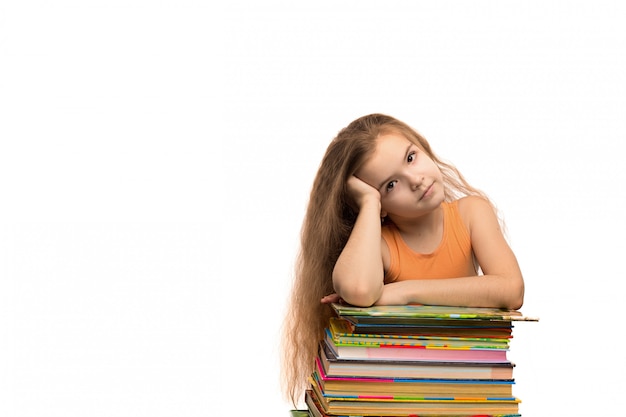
{"x": 383, "y": 214}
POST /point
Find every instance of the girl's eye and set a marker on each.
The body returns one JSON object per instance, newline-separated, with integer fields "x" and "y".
{"x": 411, "y": 157}
{"x": 390, "y": 186}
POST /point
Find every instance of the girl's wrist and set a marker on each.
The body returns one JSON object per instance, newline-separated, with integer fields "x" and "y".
{"x": 370, "y": 201}
{"x": 408, "y": 292}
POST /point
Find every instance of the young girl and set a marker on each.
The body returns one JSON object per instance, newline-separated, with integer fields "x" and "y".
{"x": 390, "y": 223}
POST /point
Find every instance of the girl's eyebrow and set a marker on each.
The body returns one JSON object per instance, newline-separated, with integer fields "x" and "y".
{"x": 406, "y": 153}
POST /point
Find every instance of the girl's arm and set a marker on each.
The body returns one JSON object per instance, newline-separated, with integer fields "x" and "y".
{"x": 358, "y": 274}
{"x": 501, "y": 286}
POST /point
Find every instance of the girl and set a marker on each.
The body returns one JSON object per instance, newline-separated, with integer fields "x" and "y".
{"x": 390, "y": 223}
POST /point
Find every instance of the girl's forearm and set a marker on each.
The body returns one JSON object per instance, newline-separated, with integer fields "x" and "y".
{"x": 358, "y": 274}
{"x": 479, "y": 291}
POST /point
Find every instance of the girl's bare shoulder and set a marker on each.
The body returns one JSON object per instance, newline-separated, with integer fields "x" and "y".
{"x": 473, "y": 203}
{"x": 475, "y": 209}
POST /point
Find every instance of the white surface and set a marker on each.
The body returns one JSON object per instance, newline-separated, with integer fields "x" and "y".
{"x": 156, "y": 158}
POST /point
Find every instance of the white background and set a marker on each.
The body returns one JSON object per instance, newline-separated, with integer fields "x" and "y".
{"x": 156, "y": 159}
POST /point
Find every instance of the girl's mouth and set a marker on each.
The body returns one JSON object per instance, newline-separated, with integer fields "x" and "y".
{"x": 427, "y": 192}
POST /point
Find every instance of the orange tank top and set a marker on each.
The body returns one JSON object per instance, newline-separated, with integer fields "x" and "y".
{"x": 453, "y": 257}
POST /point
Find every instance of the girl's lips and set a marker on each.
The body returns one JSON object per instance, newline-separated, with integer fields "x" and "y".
{"x": 427, "y": 192}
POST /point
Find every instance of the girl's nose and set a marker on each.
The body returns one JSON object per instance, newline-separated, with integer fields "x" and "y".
{"x": 416, "y": 182}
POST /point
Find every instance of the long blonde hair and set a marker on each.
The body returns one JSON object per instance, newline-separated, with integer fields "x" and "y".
{"x": 329, "y": 219}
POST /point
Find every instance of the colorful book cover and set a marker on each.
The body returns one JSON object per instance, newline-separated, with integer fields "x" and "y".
{"x": 430, "y": 311}
{"x": 436, "y": 405}
{"x": 299, "y": 413}
{"x": 406, "y": 387}
{"x": 414, "y": 353}
{"x": 342, "y": 333}
{"x": 442, "y": 327}
{"x": 373, "y": 368}
{"x": 316, "y": 409}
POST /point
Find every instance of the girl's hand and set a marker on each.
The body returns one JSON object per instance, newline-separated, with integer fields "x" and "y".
{"x": 361, "y": 192}
{"x": 331, "y": 298}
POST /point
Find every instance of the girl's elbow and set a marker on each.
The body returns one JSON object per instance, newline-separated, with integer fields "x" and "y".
{"x": 361, "y": 295}
{"x": 516, "y": 303}
{"x": 359, "y": 299}
{"x": 356, "y": 290}
{"x": 517, "y": 296}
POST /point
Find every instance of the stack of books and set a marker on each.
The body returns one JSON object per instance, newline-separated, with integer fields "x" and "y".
{"x": 415, "y": 360}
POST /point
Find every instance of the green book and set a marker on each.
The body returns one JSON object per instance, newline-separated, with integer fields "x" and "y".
{"x": 417, "y": 311}
{"x": 299, "y": 413}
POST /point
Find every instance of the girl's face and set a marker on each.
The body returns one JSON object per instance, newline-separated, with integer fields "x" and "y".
{"x": 409, "y": 182}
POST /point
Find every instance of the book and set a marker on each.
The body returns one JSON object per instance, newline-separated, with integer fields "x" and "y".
{"x": 427, "y": 406}
{"x": 412, "y": 369}
{"x": 404, "y": 361}
{"x": 342, "y": 332}
{"x": 314, "y": 407}
{"x": 299, "y": 413}
{"x": 316, "y": 410}
{"x": 410, "y": 387}
{"x": 440, "y": 327}
{"x": 414, "y": 353}
{"x": 419, "y": 311}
